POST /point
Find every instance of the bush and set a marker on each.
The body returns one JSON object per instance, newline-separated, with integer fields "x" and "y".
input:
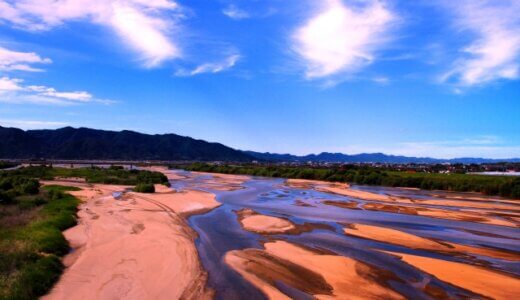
{"x": 145, "y": 188}
{"x": 37, "y": 278}
{"x": 30, "y": 251}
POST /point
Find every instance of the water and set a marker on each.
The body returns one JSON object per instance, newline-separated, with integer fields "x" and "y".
{"x": 219, "y": 232}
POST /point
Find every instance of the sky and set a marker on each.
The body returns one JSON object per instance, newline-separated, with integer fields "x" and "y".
{"x": 417, "y": 78}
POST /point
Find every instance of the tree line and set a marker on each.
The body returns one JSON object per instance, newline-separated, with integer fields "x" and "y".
{"x": 505, "y": 186}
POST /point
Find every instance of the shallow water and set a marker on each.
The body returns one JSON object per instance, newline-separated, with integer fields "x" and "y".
{"x": 219, "y": 232}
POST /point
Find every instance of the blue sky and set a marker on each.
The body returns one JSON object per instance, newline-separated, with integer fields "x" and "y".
{"x": 423, "y": 78}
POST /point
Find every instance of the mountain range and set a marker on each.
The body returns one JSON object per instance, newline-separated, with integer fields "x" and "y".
{"x": 86, "y": 143}
{"x": 369, "y": 158}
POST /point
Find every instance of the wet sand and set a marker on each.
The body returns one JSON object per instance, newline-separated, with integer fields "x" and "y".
{"x": 322, "y": 275}
{"x": 297, "y": 239}
{"x": 488, "y": 283}
{"x": 136, "y": 247}
{"x": 223, "y": 182}
{"x": 401, "y": 238}
{"x": 442, "y": 210}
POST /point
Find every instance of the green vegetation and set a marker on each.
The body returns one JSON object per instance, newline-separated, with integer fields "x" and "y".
{"x": 6, "y": 165}
{"x": 145, "y": 188}
{"x": 504, "y": 186}
{"x": 31, "y": 239}
{"x": 32, "y": 220}
{"x": 112, "y": 175}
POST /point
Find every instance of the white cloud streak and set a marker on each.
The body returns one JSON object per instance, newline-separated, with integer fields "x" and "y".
{"x": 342, "y": 38}
{"x": 20, "y": 61}
{"x": 32, "y": 124}
{"x": 235, "y": 13}
{"x": 13, "y": 91}
{"x": 477, "y": 146}
{"x": 494, "y": 53}
{"x": 145, "y": 26}
{"x": 217, "y": 67}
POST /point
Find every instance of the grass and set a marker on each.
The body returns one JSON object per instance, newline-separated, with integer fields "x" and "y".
{"x": 31, "y": 248}
{"x": 113, "y": 175}
{"x": 6, "y": 165}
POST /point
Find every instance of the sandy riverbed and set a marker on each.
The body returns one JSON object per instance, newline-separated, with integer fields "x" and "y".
{"x": 458, "y": 210}
{"x": 401, "y": 238}
{"x": 323, "y": 275}
{"x": 495, "y": 285}
{"x": 137, "y": 247}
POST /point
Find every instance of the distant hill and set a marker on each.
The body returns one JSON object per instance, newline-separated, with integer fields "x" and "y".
{"x": 85, "y": 143}
{"x": 367, "y": 158}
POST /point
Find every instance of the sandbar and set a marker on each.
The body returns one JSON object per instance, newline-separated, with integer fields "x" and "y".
{"x": 473, "y": 278}
{"x": 252, "y": 221}
{"x": 138, "y": 246}
{"x": 323, "y": 275}
{"x": 401, "y": 238}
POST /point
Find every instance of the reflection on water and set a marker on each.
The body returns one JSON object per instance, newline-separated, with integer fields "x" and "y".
{"x": 219, "y": 232}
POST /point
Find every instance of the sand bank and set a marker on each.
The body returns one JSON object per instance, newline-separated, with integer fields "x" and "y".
{"x": 263, "y": 224}
{"x": 323, "y": 275}
{"x": 137, "y": 247}
{"x": 476, "y": 279}
{"x": 476, "y": 216}
{"x": 401, "y": 238}
{"x": 252, "y": 221}
{"x": 473, "y": 204}
{"x": 223, "y": 182}
{"x": 170, "y": 174}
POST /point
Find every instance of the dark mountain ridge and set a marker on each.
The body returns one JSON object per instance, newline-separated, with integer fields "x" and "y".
{"x": 369, "y": 158}
{"x": 86, "y": 143}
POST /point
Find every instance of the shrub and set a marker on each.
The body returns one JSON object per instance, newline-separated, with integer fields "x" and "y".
{"x": 145, "y": 188}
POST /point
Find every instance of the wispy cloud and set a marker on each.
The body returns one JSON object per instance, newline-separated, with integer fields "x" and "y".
{"x": 20, "y": 61}
{"x": 342, "y": 38}
{"x": 382, "y": 80}
{"x": 32, "y": 124}
{"x": 147, "y": 27}
{"x": 235, "y": 13}
{"x": 477, "y": 146}
{"x": 494, "y": 53}
{"x": 215, "y": 67}
{"x": 12, "y": 90}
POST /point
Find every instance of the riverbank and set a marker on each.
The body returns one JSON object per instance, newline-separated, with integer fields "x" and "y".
{"x": 133, "y": 246}
{"x": 504, "y": 186}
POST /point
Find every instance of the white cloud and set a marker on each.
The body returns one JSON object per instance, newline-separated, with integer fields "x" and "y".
{"x": 20, "y": 61}
{"x": 477, "y": 146}
{"x": 494, "y": 52}
{"x": 457, "y": 149}
{"x": 9, "y": 84}
{"x": 146, "y": 26}
{"x": 31, "y": 124}
{"x": 382, "y": 80}
{"x": 13, "y": 91}
{"x": 218, "y": 67}
{"x": 342, "y": 38}
{"x": 235, "y": 13}
{"x": 80, "y": 96}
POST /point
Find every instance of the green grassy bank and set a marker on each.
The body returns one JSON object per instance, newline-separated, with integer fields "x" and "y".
{"x": 31, "y": 239}
{"x": 32, "y": 219}
{"x": 112, "y": 175}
